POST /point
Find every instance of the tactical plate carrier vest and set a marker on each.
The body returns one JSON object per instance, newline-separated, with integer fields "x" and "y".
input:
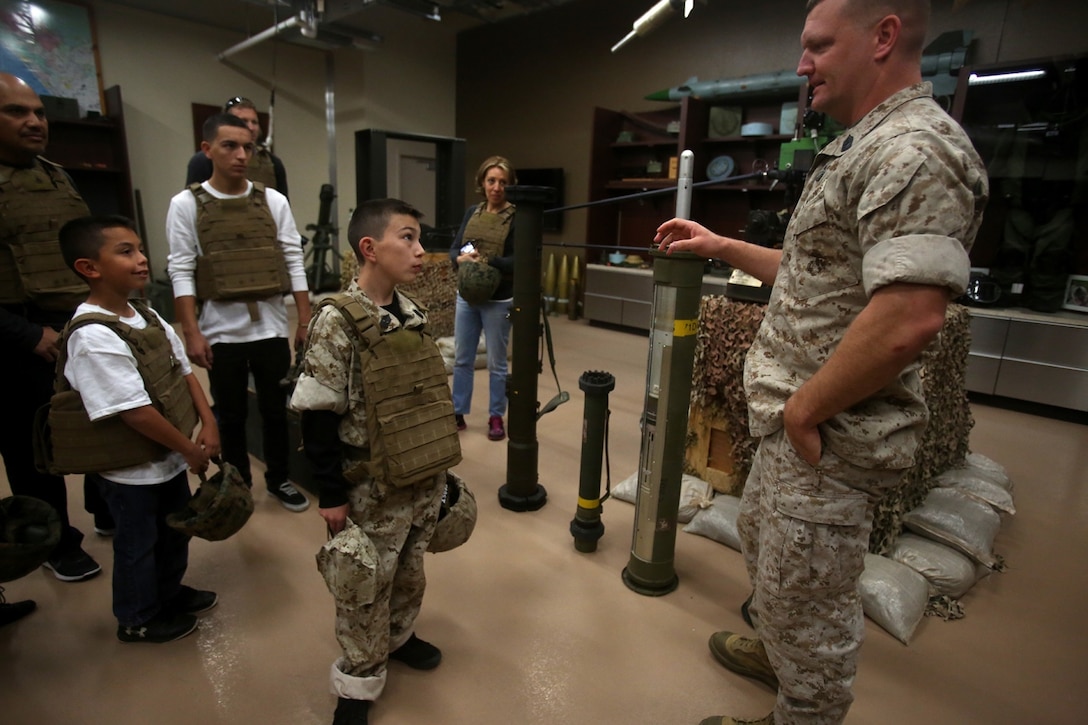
{"x": 261, "y": 170}
{"x": 240, "y": 257}
{"x": 34, "y": 204}
{"x": 79, "y": 445}
{"x": 478, "y": 281}
{"x": 409, "y": 412}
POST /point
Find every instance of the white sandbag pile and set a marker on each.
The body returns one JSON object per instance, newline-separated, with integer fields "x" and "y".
{"x": 446, "y": 348}
{"x": 946, "y": 549}
{"x": 695, "y": 494}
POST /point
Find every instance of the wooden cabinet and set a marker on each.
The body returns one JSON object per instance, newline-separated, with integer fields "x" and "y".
{"x": 634, "y": 152}
{"x": 94, "y": 152}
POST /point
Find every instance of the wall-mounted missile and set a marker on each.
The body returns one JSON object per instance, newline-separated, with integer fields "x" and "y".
{"x": 945, "y": 55}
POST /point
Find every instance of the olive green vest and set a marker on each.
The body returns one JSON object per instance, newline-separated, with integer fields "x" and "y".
{"x": 72, "y": 443}
{"x": 488, "y": 232}
{"x": 34, "y": 204}
{"x": 261, "y": 169}
{"x": 409, "y": 412}
{"x": 240, "y": 257}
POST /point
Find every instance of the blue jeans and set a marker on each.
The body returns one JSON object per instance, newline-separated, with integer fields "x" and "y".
{"x": 493, "y": 318}
{"x": 149, "y": 557}
{"x": 268, "y": 361}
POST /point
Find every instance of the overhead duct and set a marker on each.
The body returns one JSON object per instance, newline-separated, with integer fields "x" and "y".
{"x": 307, "y": 28}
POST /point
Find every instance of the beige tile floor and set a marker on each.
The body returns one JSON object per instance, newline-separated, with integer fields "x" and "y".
{"x": 535, "y": 632}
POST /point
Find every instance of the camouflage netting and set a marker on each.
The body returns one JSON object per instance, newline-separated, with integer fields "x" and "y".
{"x": 435, "y": 288}
{"x": 727, "y": 328}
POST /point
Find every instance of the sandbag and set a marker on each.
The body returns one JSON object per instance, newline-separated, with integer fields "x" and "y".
{"x": 718, "y": 521}
{"x": 695, "y": 494}
{"x": 955, "y": 519}
{"x": 990, "y": 468}
{"x": 949, "y": 572}
{"x": 893, "y": 595}
{"x": 978, "y": 486}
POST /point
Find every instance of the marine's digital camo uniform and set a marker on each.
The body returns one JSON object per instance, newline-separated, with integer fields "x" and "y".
{"x": 898, "y": 197}
{"x": 398, "y": 520}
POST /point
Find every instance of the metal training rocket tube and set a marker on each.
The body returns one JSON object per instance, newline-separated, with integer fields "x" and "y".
{"x": 586, "y": 527}
{"x": 522, "y": 492}
{"x": 678, "y": 285}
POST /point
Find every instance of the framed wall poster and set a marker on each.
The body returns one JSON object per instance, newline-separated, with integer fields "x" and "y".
{"x": 51, "y": 45}
{"x": 1076, "y": 293}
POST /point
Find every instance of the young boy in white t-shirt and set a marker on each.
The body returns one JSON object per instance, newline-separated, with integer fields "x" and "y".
{"x": 150, "y": 558}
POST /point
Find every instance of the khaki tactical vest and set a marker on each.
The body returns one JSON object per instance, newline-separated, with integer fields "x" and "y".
{"x": 261, "y": 170}
{"x": 488, "y": 232}
{"x": 72, "y": 443}
{"x": 409, "y": 412}
{"x": 240, "y": 258}
{"x": 34, "y": 204}
{"x": 477, "y": 281}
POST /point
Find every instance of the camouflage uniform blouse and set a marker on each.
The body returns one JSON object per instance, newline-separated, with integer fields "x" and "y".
{"x": 898, "y": 197}
{"x": 332, "y": 378}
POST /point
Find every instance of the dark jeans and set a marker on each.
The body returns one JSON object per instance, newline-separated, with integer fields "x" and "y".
{"x": 28, "y": 385}
{"x": 268, "y": 361}
{"x": 149, "y": 557}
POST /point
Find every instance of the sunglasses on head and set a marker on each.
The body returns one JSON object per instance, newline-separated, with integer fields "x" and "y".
{"x": 235, "y": 101}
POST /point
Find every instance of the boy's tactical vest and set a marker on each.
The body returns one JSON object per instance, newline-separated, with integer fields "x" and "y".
{"x": 240, "y": 257}
{"x": 409, "y": 412}
{"x": 79, "y": 445}
{"x": 34, "y": 204}
{"x": 261, "y": 170}
{"x": 477, "y": 281}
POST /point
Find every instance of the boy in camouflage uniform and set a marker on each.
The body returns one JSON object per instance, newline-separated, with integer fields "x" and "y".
{"x": 875, "y": 249}
{"x": 397, "y": 516}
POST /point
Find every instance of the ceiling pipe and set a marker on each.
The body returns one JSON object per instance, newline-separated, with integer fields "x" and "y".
{"x": 300, "y": 21}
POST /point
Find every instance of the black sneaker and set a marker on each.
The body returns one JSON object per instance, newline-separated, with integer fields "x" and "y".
{"x": 163, "y": 627}
{"x": 289, "y": 496}
{"x": 460, "y": 421}
{"x": 73, "y": 566}
{"x": 14, "y": 611}
{"x": 192, "y": 601}
{"x": 417, "y": 654}
{"x": 351, "y": 712}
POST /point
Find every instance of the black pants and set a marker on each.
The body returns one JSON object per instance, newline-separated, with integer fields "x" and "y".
{"x": 149, "y": 557}
{"x": 233, "y": 363}
{"x": 28, "y": 385}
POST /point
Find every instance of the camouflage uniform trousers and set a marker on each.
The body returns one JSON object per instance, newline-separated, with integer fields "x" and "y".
{"x": 400, "y": 523}
{"x": 804, "y": 532}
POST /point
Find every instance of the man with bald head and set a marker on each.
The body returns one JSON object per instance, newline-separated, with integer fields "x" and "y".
{"x": 38, "y": 294}
{"x": 875, "y": 249}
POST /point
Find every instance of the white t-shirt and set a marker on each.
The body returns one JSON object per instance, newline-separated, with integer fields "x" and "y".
{"x": 102, "y": 368}
{"x": 229, "y": 321}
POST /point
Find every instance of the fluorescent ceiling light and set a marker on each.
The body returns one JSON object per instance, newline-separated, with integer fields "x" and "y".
{"x": 1020, "y": 75}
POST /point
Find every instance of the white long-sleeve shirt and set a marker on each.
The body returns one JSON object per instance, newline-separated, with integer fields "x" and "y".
{"x": 229, "y": 321}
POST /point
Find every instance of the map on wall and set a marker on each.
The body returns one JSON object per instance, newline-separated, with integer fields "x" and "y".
{"x": 50, "y": 45}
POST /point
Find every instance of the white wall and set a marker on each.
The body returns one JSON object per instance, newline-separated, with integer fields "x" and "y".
{"x": 164, "y": 65}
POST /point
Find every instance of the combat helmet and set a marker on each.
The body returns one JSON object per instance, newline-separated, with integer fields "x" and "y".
{"x": 477, "y": 281}
{"x": 456, "y": 518}
{"x": 349, "y": 562}
{"x": 218, "y": 509}
{"x": 29, "y": 531}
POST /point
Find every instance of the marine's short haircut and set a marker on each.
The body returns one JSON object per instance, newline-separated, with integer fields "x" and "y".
{"x": 371, "y": 218}
{"x": 82, "y": 238}
{"x": 211, "y": 126}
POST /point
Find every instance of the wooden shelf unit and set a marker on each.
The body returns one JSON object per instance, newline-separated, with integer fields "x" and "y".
{"x": 618, "y": 167}
{"x": 94, "y": 152}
